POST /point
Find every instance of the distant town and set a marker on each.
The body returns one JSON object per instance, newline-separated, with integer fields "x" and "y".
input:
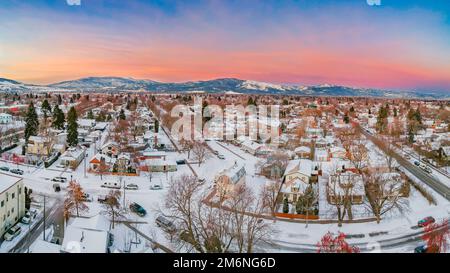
{"x": 111, "y": 172}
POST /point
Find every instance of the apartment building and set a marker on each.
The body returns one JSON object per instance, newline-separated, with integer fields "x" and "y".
{"x": 12, "y": 201}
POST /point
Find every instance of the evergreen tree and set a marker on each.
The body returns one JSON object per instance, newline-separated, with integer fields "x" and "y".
{"x": 352, "y": 109}
{"x": 346, "y": 119}
{"x": 90, "y": 115}
{"x": 122, "y": 115}
{"x": 395, "y": 112}
{"x": 156, "y": 126}
{"x": 72, "y": 127}
{"x": 285, "y": 206}
{"x": 58, "y": 118}
{"x": 31, "y": 123}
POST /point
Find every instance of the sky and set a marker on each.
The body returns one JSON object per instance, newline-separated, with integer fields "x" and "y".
{"x": 399, "y": 44}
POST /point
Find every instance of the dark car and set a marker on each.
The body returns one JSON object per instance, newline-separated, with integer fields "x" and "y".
{"x": 417, "y": 163}
{"x": 136, "y": 208}
{"x": 181, "y": 162}
{"x": 426, "y": 221}
{"x": 17, "y": 171}
{"x": 426, "y": 249}
{"x": 102, "y": 199}
{"x": 5, "y": 169}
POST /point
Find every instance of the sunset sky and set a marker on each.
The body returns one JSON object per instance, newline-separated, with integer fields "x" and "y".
{"x": 402, "y": 44}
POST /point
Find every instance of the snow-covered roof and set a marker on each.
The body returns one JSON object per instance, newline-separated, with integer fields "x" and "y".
{"x": 302, "y": 149}
{"x": 7, "y": 181}
{"x": 83, "y": 240}
{"x": 303, "y": 166}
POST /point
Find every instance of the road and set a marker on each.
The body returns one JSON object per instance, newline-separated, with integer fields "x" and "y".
{"x": 54, "y": 216}
{"x": 434, "y": 183}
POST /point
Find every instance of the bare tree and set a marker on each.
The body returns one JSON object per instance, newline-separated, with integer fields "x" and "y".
{"x": 208, "y": 227}
{"x": 340, "y": 190}
{"x": 383, "y": 194}
{"x": 201, "y": 152}
{"x": 359, "y": 155}
{"x": 187, "y": 146}
{"x": 389, "y": 153}
{"x": 247, "y": 226}
{"x": 270, "y": 195}
{"x": 112, "y": 207}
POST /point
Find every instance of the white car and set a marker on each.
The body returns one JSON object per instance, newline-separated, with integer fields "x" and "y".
{"x": 221, "y": 156}
{"x": 156, "y": 187}
{"x": 132, "y": 187}
{"x": 60, "y": 179}
{"x": 26, "y": 219}
{"x": 12, "y": 233}
{"x": 111, "y": 185}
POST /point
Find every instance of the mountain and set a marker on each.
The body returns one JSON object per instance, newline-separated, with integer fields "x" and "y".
{"x": 225, "y": 85}
{"x": 7, "y": 85}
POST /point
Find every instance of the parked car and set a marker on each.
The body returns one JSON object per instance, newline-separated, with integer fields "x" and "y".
{"x": 156, "y": 187}
{"x": 131, "y": 187}
{"x": 417, "y": 163}
{"x": 17, "y": 171}
{"x": 426, "y": 249}
{"x": 5, "y": 169}
{"x": 12, "y": 233}
{"x": 56, "y": 187}
{"x": 201, "y": 180}
{"x": 426, "y": 221}
{"x": 164, "y": 223}
{"x": 102, "y": 199}
{"x": 181, "y": 162}
{"x": 136, "y": 208}
{"x": 407, "y": 157}
{"x": 216, "y": 152}
{"x": 428, "y": 170}
{"x": 221, "y": 156}
{"x": 111, "y": 185}
{"x": 59, "y": 179}
{"x": 26, "y": 219}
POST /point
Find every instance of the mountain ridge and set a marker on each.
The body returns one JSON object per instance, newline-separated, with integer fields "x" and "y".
{"x": 220, "y": 85}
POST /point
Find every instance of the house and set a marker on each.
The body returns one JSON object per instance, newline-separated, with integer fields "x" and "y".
{"x": 111, "y": 149}
{"x": 153, "y": 154}
{"x": 338, "y": 152}
{"x": 250, "y": 146}
{"x": 40, "y": 146}
{"x": 12, "y": 201}
{"x": 99, "y": 160}
{"x": 73, "y": 157}
{"x": 321, "y": 155}
{"x": 298, "y": 168}
{"x": 345, "y": 184}
{"x": 303, "y": 152}
{"x": 228, "y": 179}
{"x": 160, "y": 165}
{"x": 5, "y": 118}
{"x": 86, "y": 235}
{"x": 446, "y": 152}
{"x": 86, "y": 124}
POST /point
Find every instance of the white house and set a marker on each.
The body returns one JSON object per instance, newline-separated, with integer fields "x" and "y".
{"x": 86, "y": 235}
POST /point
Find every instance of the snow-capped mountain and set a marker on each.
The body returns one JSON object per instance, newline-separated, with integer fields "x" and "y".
{"x": 225, "y": 85}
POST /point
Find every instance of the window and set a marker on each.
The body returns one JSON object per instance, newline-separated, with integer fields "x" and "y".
{"x": 12, "y": 210}
{"x": 2, "y": 203}
{"x": 13, "y": 195}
